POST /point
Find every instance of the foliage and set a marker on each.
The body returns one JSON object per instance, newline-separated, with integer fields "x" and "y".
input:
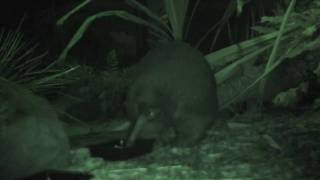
{"x": 100, "y": 93}
{"x": 176, "y": 11}
{"x": 112, "y": 61}
{"x": 19, "y": 63}
{"x": 227, "y": 60}
{"x": 298, "y": 37}
{"x": 231, "y": 9}
{"x": 272, "y": 59}
{"x": 249, "y": 16}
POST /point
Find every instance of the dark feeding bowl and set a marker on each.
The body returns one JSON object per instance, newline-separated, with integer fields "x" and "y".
{"x": 58, "y": 175}
{"x": 116, "y": 151}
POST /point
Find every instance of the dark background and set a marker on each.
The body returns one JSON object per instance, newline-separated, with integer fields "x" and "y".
{"x": 39, "y": 18}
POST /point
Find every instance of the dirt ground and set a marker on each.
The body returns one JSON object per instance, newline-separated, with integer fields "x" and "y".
{"x": 274, "y": 145}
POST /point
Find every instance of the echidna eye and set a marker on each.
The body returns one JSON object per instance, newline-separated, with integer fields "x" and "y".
{"x": 152, "y": 113}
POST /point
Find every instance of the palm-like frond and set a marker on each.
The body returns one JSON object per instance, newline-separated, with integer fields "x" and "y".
{"x": 177, "y": 11}
{"x": 19, "y": 63}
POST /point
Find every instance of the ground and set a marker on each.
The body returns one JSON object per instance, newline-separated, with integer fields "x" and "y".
{"x": 275, "y": 145}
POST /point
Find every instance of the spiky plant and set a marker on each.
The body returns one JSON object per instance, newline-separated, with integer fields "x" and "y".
{"x": 20, "y": 63}
{"x": 176, "y": 11}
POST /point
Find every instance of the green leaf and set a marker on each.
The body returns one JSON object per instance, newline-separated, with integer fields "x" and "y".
{"x": 231, "y": 53}
{"x": 272, "y": 59}
{"x": 118, "y": 13}
{"x": 74, "y": 10}
{"x": 176, "y": 10}
{"x": 149, "y": 13}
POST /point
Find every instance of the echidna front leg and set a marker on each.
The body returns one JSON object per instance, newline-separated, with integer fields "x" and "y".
{"x": 137, "y": 126}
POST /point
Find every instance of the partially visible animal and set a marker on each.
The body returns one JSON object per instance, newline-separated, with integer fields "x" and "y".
{"x": 32, "y": 138}
{"x": 175, "y": 90}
